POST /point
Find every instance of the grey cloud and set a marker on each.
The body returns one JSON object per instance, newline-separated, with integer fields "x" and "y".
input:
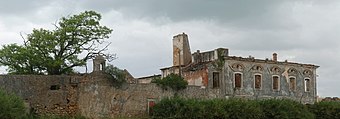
{"x": 247, "y": 13}
{"x": 18, "y": 7}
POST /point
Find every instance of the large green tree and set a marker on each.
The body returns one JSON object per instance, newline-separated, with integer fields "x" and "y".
{"x": 74, "y": 40}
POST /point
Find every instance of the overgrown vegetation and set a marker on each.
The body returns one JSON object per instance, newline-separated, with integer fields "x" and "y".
{"x": 11, "y": 106}
{"x": 326, "y": 110}
{"x": 219, "y": 63}
{"x": 32, "y": 116}
{"x": 117, "y": 76}
{"x": 173, "y": 81}
{"x": 284, "y": 109}
{"x": 243, "y": 109}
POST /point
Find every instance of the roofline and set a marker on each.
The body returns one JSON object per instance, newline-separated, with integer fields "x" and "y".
{"x": 149, "y": 76}
{"x": 171, "y": 67}
{"x": 266, "y": 61}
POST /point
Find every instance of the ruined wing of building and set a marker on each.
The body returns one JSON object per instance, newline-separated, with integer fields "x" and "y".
{"x": 243, "y": 77}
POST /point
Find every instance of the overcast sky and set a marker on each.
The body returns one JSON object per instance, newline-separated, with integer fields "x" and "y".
{"x": 305, "y": 31}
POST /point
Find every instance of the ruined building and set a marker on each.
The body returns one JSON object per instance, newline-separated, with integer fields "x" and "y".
{"x": 211, "y": 74}
{"x": 247, "y": 77}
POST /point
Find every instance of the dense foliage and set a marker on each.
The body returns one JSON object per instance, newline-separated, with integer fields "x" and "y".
{"x": 11, "y": 106}
{"x": 284, "y": 109}
{"x": 33, "y": 116}
{"x": 117, "y": 76}
{"x": 244, "y": 109}
{"x": 172, "y": 81}
{"x": 57, "y": 51}
{"x": 326, "y": 110}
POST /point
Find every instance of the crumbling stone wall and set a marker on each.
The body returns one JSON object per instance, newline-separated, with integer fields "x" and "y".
{"x": 91, "y": 95}
{"x": 44, "y": 94}
{"x": 99, "y": 99}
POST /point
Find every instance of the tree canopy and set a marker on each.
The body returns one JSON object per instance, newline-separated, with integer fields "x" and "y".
{"x": 57, "y": 51}
{"x": 173, "y": 81}
{"x": 117, "y": 76}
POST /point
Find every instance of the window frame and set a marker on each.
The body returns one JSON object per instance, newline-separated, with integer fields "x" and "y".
{"x": 290, "y": 83}
{"x": 218, "y": 81}
{"x": 240, "y": 79}
{"x": 305, "y": 84}
{"x": 278, "y": 83}
{"x": 260, "y": 81}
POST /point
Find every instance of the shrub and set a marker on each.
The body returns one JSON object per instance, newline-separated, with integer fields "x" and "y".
{"x": 242, "y": 109}
{"x": 231, "y": 109}
{"x": 11, "y": 106}
{"x": 169, "y": 108}
{"x": 326, "y": 110}
{"x": 32, "y": 116}
{"x": 117, "y": 76}
{"x": 216, "y": 108}
{"x": 172, "y": 81}
{"x": 284, "y": 109}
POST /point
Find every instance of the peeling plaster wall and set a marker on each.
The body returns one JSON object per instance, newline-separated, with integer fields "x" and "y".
{"x": 248, "y": 90}
{"x": 197, "y": 78}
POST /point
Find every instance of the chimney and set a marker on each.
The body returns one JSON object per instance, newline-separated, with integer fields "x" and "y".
{"x": 274, "y": 57}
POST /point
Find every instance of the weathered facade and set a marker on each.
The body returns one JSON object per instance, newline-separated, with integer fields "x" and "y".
{"x": 245, "y": 77}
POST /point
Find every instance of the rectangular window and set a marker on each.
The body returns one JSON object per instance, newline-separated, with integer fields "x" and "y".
{"x": 307, "y": 85}
{"x": 216, "y": 79}
{"x": 238, "y": 80}
{"x": 292, "y": 84}
{"x": 258, "y": 81}
{"x": 276, "y": 83}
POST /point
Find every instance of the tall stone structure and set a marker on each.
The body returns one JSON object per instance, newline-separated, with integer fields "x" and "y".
{"x": 181, "y": 50}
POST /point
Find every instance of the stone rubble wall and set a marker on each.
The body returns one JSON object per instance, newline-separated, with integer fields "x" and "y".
{"x": 91, "y": 95}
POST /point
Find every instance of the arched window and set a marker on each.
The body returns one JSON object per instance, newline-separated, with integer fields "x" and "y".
{"x": 238, "y": 80}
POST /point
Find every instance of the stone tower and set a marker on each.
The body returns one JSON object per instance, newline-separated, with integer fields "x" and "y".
{"x": 181, "y": 50}
{"x": 99, "y": 63}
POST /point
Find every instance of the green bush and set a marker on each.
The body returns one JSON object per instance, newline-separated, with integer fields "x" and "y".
{"x": 230, "y": 109}
{"x": 326, "y": 110}
{"x": 172, "y": 81}
{"x": 11, "y": 106}
{"x": 284, "y": 109}
{"x": 216, "y": 108}
{"x": 117, "y": 76}
{"x": 242, "y": 109}
{"x": 32, "y": 116}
